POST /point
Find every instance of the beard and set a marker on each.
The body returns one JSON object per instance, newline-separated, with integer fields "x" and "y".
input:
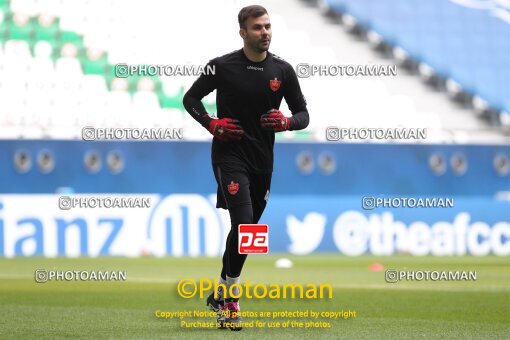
{"x": 259, "y": 46}
{"x": 264, "y": 48}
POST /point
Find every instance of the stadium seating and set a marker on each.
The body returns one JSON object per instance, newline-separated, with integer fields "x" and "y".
{"x": 462, "y": 41}
{"x": 57, "y": 58}
{"x": 56, "y": 65}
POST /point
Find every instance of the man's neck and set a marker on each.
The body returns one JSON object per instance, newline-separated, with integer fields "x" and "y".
{"x": 254, "y": 56}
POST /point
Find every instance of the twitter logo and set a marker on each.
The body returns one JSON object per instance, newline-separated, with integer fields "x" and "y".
{"x": 305, "y": 235}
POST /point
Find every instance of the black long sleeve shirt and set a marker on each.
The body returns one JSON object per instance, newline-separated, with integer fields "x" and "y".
{"x": 245, "y": 91}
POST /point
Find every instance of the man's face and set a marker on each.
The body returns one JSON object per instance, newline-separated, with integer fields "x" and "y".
{"x": 257, "y": 34}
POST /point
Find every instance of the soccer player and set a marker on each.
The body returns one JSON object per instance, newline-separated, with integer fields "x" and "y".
{"x": 250, "y": 84}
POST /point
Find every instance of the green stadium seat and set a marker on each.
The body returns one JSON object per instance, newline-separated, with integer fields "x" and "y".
{"x": 72, "y": 37}
{"x": 6, "y": 11}
{"x": 110, "y": 77}
{"x": 45, "y": 30}
{"x": 303, "y": 134}
{"x": 282, "y": 136}
{"x": 94, "y": 63}
{"x": 3, "y": 29}
{"x": 168, "y": 102}
{"x": 133, "y": 83}
{"x": 211, "y": 108}
{"x": 20, "y": 31}
{"x": 59, "y": 46}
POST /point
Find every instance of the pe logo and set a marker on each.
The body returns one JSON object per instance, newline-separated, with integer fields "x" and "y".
{"x": 253, "y": 239}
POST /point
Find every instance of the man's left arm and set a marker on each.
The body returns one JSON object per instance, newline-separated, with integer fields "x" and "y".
{"x": 275, "y": 120}
{"x": 296, "y": 102}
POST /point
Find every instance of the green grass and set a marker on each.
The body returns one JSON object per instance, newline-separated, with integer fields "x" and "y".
{"x": 404, "y": 310}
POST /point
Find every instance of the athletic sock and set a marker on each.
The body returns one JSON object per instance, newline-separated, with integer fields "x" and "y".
{"x": 235, "y": 290}
{"x": 221, "y": 294}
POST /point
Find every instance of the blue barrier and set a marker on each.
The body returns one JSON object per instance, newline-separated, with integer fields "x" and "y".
{"x": 190, "y": 225}
{"x": 315, "y": 205}
{"x": 326, "y": 168}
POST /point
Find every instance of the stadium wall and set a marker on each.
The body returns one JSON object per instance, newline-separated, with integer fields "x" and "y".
{"x": 315, "y": 204}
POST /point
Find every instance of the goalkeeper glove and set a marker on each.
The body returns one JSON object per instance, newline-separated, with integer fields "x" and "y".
{"x": 226, "y": 129}
{"x": 275, "y": 120}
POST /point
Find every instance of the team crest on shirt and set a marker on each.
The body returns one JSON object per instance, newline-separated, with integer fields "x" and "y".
{"x": 274, "y": 84}
{"x": 233, "y": 188}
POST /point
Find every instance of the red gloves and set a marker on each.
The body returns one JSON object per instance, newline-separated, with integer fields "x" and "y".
{"x": 275, "y": 120}
{"x": 226, "y": 129}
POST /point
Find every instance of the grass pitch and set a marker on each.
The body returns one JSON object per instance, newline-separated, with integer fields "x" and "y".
{"x": 403, "y": 310}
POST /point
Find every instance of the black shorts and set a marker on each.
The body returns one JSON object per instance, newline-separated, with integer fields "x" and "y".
{"x": 237, "y": 187}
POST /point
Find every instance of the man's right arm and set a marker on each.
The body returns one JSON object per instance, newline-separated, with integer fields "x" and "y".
{"x": 225, "y": 129}
{"x": 204, "y": 85}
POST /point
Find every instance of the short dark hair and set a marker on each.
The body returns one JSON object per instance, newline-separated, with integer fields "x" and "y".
{"x": 253, "y": 11}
